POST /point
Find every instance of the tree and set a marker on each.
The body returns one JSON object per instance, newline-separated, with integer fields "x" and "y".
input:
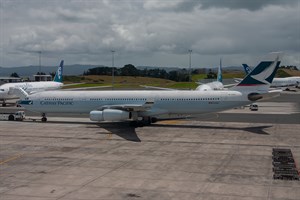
{"x": 211, "y": 75}
{"x": 15, "y": 75}
{"x": 129, "y": 70}
{"x": 52, "y": 74}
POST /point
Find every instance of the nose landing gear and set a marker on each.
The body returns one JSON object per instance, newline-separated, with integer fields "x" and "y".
{"x": 44, "y": 118}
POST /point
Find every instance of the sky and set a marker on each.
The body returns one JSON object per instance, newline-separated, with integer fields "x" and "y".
{"x": 148, "y": 32}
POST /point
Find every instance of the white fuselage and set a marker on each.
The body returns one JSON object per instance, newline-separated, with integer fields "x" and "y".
{"x": 165, "y": 102}
{"x": 29, "y": 87}
{"x": 285, "y": 82}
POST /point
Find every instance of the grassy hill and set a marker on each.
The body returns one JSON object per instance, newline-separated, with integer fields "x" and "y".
{"x": 290, "y": 72}
{"x": 136, "y": 82}
{"x": 125, "y": 82}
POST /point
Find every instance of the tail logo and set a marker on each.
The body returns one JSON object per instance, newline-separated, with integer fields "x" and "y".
{"x": 265, "y": 75}
{"x": 59, "y": 73}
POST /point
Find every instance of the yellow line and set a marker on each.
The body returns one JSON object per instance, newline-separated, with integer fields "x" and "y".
{"x": 171, "y": 122}
{"x": 109, "y": 135}
{"x": 10, "y": 159}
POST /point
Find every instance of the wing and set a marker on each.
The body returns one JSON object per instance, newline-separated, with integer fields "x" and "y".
{"x": 157, "y": 88}
{"x": 130, "y": 107}
{"x": 66, "y": 87}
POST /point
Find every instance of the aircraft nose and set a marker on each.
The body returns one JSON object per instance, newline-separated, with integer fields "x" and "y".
{"x": 2, "y": 94}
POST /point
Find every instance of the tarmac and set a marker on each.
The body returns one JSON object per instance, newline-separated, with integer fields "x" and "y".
{"x": 226, "y": 155}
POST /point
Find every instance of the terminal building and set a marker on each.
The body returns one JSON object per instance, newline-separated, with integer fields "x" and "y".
{"x": 10, "y": 80}
{"x": 4, "y": 80}
{"x": 42, "y": 77}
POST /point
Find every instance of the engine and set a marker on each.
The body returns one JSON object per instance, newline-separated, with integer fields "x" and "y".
{"x": 254, "y": 96}
{"x": 109, "y": 115}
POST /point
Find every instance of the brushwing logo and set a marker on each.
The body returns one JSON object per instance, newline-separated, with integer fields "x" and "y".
{"x": 266, "y": 73}
{"x": 262, "y": 74}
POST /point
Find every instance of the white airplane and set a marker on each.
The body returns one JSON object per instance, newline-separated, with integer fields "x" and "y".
{"x": 215, "y": 85}
{"x": 283, "y": 83}
{"x": 32, "y": 87}
{"x": 143, "y": 107}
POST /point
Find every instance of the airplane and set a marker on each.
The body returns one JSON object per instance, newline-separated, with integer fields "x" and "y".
{"x": 32, "y": 87}
{"x": 215, "y": 85}
{"x": 143, "y": 107}
{"x": 283, "y": 83}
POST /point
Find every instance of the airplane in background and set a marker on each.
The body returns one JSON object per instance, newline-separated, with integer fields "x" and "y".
{"x": 143, "y": 107}
{"x": 283, "y": 83}
{"x": 215, "y": 85}
{"x": 32, "y": 87}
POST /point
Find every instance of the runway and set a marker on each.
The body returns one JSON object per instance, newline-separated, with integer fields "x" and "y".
{"x": 226, "y": 155}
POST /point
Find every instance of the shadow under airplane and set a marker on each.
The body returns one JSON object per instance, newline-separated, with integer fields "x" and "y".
{"x": 127, "y": 132}
{"x": 121, "y": 129}
{"x": 256, "y": 129}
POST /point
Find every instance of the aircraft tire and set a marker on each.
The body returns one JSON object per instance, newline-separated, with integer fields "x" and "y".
{"x": 44, "y": 119}
{"x": 153, "y": 119}
{"x": 11, "y": 118}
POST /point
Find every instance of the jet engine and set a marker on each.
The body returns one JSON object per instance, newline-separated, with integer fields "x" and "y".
{"x": 254, "y": 96}
{"x": 109, "y": 115}
{"x": 267, "y": 95}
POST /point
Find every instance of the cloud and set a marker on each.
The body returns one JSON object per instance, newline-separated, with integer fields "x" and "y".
{"x": 244, "y": 4}
{"x": 147, "y": 32}
{"x": 189, "y": 5}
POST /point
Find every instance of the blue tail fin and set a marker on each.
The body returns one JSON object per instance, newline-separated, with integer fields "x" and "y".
{"x": 59, "y": 73}
{"x": 220, "y": 77}
{"x": 247, "y": 69}
{"x": 261, "y": 77}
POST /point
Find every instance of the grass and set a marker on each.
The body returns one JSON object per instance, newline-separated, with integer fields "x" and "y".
{"x": 136, "y": 82}
{"x": 291, "y": 72}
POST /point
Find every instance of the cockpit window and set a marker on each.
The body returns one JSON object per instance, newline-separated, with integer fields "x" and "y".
{"x": 2, "y": 90}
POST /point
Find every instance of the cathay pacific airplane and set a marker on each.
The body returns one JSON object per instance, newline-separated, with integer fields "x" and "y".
{"x": 283, "y": 83}
{"x": 32, "y": 87}
{"x": 143, "y": 107}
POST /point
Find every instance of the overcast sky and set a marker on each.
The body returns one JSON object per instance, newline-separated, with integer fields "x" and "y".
{"x": 148, "y": 32}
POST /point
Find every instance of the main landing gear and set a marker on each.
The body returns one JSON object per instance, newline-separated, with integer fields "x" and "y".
{"x": 146, "y": 121}
{"x": 44, "y": 118}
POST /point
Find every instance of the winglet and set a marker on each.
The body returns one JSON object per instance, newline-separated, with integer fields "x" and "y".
{"x": 59, "y": 73}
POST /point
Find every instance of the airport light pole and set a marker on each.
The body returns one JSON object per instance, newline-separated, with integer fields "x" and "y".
{"x": 190, "y": 64}
{"x": 40, "y": 65}
{"x": 113, "y": 65}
